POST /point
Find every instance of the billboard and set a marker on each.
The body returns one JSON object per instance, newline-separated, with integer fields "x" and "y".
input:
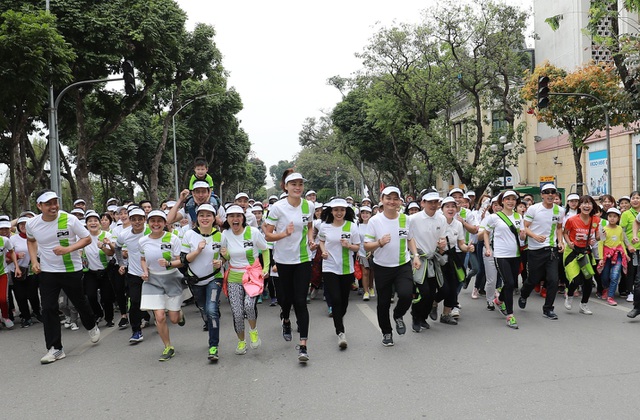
{"x": 597, "y": 173}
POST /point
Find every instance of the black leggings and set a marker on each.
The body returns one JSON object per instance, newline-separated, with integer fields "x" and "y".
{"x": 388, "y": 278}
{"x": 338, "y": 287}
{"x": 292, "y": 285}
{"x": 508, "y": 269}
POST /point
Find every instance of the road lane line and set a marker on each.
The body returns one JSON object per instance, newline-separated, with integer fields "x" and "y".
{"x": 88, "y": 344}
{"x": 369, "y": 313}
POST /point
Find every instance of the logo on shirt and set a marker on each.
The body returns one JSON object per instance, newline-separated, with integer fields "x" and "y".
{"x": 165, "y": 247}
{"x": 403, "y": 233}
{"x": 62, "y": 234}
{"x": 345, "y": 236}
{"x": 555, "y": 219}
{"x": 215, "y": 245}
{"x": 248, "y": 244}
{"x": 305, "y": 219}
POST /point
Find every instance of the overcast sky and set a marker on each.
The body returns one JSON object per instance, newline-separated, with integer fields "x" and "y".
{"x": 280, "y": 54}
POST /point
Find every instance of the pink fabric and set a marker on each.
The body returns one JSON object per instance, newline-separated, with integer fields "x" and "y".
{"x": 612, "y": 253}
{"x": 253, "y": 279}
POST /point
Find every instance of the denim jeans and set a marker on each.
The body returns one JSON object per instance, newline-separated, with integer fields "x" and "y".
{"x": 207, "y": 298}
{"x": 610, "y": 275}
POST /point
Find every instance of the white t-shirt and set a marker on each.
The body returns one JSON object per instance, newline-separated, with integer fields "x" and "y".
{"x": 20, "y": 245}
{"x": 167, "y": 247}
{"x": 63, "y": 231}
{"x": 362, "y": 230}
{"x": 250, "y": 239}
{"x": 202, "y": 265}
{"x": 293, "y": 249}
{"x": 544, "y": 222}
{"x": 396, "y": 252}
{"x": 454, "y": 232}
{"x": 96, "y": 257}
{"x": 340, "y": 260}
{"x": 5, "y": 246}
{"x": 130, "y": 242}
{"x": 427, "y": 230}
{"x": 505, "y": 244}
{"x": 469, "y": 217}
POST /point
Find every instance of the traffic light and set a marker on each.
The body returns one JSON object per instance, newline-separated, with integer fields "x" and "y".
{"x": 543, "y": 92}
{"x": 129, "y": 77}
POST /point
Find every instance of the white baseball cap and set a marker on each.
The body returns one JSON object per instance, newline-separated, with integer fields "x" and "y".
{"x": 200, "y": 184}
{"x": 448, "y": 200}
{"x": 234, "y": 209}
{"x": 292, "y": 177}
{"x": 310, "y": 192}
{"x": 614, "y": 210}
{"x": 137, "y": 211}
{"x": 431, "y": 196}
{"x": 456, "y": 190}
{"x": 338, "y": 202}
{"x": 389, "y": 190}
{"x": 78, "y": 201}
{"x": 548, "y": 187}
{"x": 155, "y": 213}
{"x": 413, "y": 205}
{"x": 91, "y": 213}
{"x": 206, "y": 207}
{"x": 573, "y": 197}
{"x": 46, "y": 196}
{"x": 365, "y": 208}
{"x": 241, "y": 195}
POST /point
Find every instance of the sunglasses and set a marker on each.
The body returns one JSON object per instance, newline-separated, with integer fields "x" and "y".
{"x": 548, "y": 192}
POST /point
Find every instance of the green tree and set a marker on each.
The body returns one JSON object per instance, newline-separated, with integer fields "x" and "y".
{"x": 579, "y": 116}
{"x": 276, "y": 171}
{"x": 33, "y": 54}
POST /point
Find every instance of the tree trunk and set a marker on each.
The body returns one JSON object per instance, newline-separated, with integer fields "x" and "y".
{"x": 577, "y": 157}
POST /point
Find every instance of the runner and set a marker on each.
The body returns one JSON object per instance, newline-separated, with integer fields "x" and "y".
{"x": 241, "y": 245}
{"x": 55, "y": 237}
{"x": 390, "y": 238}
{"x": 162, "y": 287}
{"x": 290, "y": 226}
{"x": 339, "y": 239}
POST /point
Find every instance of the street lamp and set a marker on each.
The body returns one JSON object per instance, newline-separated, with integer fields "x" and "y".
{"x": 502, "y": 150}
{"x": 175, "y": 152}
{"x": 337, "y": 169}
{"x": 414, "y": 173}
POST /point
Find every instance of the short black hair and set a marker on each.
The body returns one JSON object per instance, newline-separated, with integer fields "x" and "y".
{"x": 200, "y": 161}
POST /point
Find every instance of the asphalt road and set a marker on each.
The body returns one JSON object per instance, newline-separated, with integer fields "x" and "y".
{"x": 579, "y": 367}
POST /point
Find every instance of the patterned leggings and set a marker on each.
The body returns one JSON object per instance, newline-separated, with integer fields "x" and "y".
{"x": 241, "y": 305}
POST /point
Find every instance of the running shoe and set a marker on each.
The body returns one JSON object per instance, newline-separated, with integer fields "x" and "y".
{"x": 254, "y": 339}
{"x": 74, "y": 326}
{"x": 94, "y": 334}
{"x": 434, "y": 313}
{"x": 259, "y": 299}
{"x": 136, "y": 338}
{"x": 387, "y": 340}
{"x": 605, "y": 294}
{"x": 365, "y": 296}
{"x": 144, "y": 323}
{"x": 400, "y": 327}
{"x": 286, "y": 330}
{"x": 633, "y": 313}
{"x": 475, "y": 294}
{"x": 213, "y": 354}
{"x": 455, "y": 312}
{"x": 303, "y": 356}
{"x": 313, "y": 293}
{"x": 205, "y": 327}
{"x": 501, "y": 306}
{"x": 448, "y": 319}
{"x": 64, "y": 321}
{"x": 274, "y": 302}
{"x": 182, "y": 321}
{"x": 511, "y": 322}
{"x": 568, "y": 302}
{"x": 522, "y": 302}
{"x": 167, "y": 354}
{"x": 52, "y": 355}
{"x": 372, "y": 292}
{"x": 543, "y": 292}
{"x": 330, "y": 312}
{"x": 612, "y": 302}
{"x": 584, "y": 309}
{"x": 26, "y": 323}
{"x": 123, "y": 323}
{"x": 342, "y": 341}
{"x": 415, "y": 325}
{"x": 424, "y": 325}
{"x": 241, "y": 348}
{"x": 549, "y": 314}
{"x": 491, "y": 306}
{"x": 8, "y": 323}
{"x": 109, "y": 324}
{"x": 630, "y": 297}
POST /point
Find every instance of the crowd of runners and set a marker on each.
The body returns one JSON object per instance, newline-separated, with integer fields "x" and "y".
{"x": 131, "y": 265}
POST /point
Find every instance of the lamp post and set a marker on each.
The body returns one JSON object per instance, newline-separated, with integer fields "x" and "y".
{"x": 503, "y": 150}
{"x": 337, "y": 169}
{"x": 415, "y": 172}
{"x": 175, "y": 152}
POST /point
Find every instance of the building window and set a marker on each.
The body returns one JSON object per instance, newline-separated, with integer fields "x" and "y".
{"x": 499, "y": 124}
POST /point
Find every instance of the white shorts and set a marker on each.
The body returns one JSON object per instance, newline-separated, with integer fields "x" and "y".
{"x": 154, "y": 302}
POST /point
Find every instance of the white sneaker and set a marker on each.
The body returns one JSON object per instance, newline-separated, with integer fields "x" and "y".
{"x": 372, "y": 292}
{"x": 8, "y": 323}
{"x": 94, "y": 334}
{"x": 455, "y": 312}
{"x": 568, "y": 302}
{"x": 585, "y": 310}
{"x": 74, "y": 326}
{"x": 65, "y": 321}
{"x": 52, "y": 355}
{"x": 365, "y": 296}
{"x": 475, "y": 294}
{"x": 630, "y": 297}
{"x": 342, "y": 341}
